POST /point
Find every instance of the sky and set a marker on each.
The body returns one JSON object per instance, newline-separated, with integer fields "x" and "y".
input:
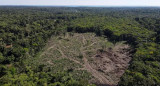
{"x": 82, "y": 2}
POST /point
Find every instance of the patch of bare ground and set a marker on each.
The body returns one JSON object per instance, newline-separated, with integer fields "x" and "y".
{"x": 103, "y": 60}
{"x": 112, "y": 63}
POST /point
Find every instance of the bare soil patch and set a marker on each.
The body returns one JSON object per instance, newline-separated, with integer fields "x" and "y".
{"x": 104, "y": 61}
{"x": 112, "y": 63}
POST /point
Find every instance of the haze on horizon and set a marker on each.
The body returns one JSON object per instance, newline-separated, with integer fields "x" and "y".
{"x": 82, "y": 2}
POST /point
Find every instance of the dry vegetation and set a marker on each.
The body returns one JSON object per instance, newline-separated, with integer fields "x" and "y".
{"x": 86, "y": 56}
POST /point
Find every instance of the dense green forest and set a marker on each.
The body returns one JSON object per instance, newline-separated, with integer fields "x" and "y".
{"x": 24, "y": 31}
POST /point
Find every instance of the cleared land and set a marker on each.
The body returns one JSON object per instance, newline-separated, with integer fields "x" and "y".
{"x": 86, "y": 56}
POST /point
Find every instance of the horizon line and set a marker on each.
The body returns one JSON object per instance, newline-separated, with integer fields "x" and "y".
{"x": 78, "y": 6}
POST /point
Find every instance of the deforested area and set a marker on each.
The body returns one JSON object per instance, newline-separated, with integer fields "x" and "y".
{"x": 79, "y": 46}
{"x": 86, "y": 57}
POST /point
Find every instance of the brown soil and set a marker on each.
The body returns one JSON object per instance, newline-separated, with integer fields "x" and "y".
{"x": 105, "y": 65}
{"x": 111, "y": 63}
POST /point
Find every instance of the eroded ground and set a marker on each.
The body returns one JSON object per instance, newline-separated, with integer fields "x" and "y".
{"x": 88, "y": 56}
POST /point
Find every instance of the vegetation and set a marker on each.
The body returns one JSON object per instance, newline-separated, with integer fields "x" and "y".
{"x": 24, "y": 31}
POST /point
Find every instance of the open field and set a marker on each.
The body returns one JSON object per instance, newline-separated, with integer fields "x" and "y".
{"x": 86, "y": 56}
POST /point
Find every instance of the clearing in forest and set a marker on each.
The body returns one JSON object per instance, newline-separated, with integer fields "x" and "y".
{"x": 86, "y": 56}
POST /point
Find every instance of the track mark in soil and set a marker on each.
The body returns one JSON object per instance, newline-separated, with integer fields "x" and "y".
{"x": 101, "y": 65}
{"x": 46, "y": 51}
{"x": 88, "y": 67}
{"x": 63, "y": 55}
{"x": 95, "y": 73}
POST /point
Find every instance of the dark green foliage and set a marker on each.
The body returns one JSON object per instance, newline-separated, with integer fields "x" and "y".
{"x": 1, "y": 58}
{"x": 25, "y": 30}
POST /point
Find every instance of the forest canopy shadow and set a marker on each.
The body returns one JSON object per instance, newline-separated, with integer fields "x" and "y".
{"x": 129, "y": 38}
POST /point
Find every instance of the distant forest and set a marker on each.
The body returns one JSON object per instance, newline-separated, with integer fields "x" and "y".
{"x": 25, "y": 30}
